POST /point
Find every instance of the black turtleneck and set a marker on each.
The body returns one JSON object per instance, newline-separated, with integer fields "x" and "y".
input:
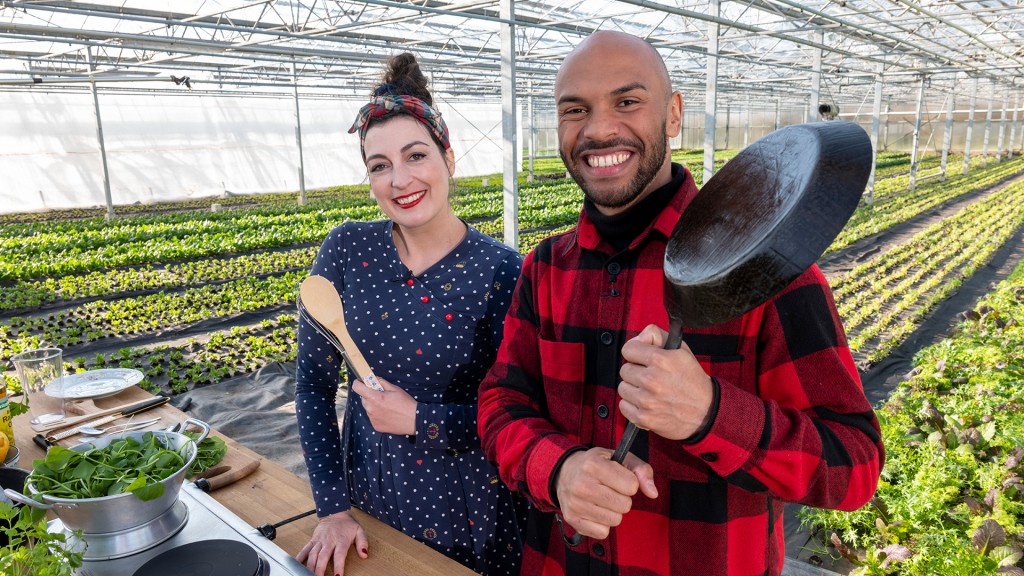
{"x": 621, "y": 229}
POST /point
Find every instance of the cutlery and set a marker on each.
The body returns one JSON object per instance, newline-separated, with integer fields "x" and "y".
{"x": 92, "y": 431}
{"x": 134, "y": 409}
{"x": 321, "y": 301}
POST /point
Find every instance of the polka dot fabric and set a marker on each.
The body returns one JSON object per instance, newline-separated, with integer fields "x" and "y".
{"x": 435, "y": 335}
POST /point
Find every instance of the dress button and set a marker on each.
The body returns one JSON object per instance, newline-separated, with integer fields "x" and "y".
{"x": 409, "y": 282}
{"x": 614, "y": 268}
{"x": 602, "y": 411}
{"x": 710, "y": 456}
{"x": 598, "y": 549}
{"x": 448, "y": 317}
{"x": 606, "y": 338}
{"x": 425, "y": 299}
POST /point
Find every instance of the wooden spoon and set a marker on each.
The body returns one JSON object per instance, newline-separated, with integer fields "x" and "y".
{"x": 322, "y": 301}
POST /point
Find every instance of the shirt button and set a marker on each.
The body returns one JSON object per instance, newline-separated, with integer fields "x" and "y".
{"x": 448, "y": 317}
{"x": 614, "y": 268}
{"x": 425, "y": 299}
{"x": 409, "y": 282}
{"x": 602, "y": 411}
{"x": 710, "y": 456}
{"x": 606, "y": 338}
{"x": 598, "y": 549}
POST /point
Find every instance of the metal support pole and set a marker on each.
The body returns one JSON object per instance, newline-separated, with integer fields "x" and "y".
{"x": 778, "y": 113}
{"x": 711, "y": 92}
{"x": 970, "y": 126}
{"x": 947, "y": 136}
{"x": 812, "y": 111}
{"x": 988, "y": 128}
{"x": 885, "y": 127}
{"x": 532, "y": 142}
{"x": 876, "y": 112}
{"x": 1002, "y": 127}
{"x": 510, "y": 182}
{"x": 298, "y": 136}
{"x": 917, "y": 135}
{"x": 1013, "y": 126}
{"x": 728, "y": 120}
{"x": 99, "y": 134}
{"x": 746, "y": 125}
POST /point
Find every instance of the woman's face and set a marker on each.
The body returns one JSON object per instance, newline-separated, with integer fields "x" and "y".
{"x": 409, "y": 175}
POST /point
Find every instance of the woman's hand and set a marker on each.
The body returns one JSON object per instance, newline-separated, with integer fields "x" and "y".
{"x": 392, "y": 411}
{"x": 332, "y": 538}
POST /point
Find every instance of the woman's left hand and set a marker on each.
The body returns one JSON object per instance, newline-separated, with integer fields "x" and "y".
{"x": 392, "y": 411}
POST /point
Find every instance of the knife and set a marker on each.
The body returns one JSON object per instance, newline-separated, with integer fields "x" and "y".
{"x": 147, "y": 405}
{"x": 221, "y": 476}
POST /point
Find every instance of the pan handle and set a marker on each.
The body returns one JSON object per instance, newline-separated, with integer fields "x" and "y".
{"x": 674, "y": 341}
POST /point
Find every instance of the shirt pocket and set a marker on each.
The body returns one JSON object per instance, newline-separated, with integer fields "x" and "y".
{"x": 562, "y": 371}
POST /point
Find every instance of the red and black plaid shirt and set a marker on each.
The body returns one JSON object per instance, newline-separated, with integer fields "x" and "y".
{"x": 792, "y": 425}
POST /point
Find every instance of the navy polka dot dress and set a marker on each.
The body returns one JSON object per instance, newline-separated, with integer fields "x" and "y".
{"x": 435, "y": 335}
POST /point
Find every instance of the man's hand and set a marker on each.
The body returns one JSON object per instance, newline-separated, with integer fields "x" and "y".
{"x": 594, "y": 492}
{"x": 392, "y": 411}
{"x": 663, "y": 391}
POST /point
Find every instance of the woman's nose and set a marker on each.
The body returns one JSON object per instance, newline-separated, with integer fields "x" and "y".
{"x": 400, "y": 175}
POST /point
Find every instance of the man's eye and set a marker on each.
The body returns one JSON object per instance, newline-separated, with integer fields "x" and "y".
{"x": 572, "y": 111}
{"x": 628, "y": 102}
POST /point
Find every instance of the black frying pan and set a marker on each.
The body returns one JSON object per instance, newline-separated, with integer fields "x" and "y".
{"x": 759, "y": 223}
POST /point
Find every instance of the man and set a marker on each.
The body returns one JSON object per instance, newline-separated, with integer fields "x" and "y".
{"x": 749, "y": 414}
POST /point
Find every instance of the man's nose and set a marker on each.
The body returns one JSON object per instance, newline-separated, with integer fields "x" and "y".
{"x": 601, "y": 125}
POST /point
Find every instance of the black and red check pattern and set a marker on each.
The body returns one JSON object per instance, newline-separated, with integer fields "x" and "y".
{"x": 793, "y": 424}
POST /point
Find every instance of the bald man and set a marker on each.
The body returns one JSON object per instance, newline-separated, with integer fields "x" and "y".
{"x": 746, "y": 416}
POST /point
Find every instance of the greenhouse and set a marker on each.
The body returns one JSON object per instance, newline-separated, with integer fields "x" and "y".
{"x": 173, "y": 169}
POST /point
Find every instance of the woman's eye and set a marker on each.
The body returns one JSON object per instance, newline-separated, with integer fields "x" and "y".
{"x": 417, "y": 156}
{"x": 377, "y": 167}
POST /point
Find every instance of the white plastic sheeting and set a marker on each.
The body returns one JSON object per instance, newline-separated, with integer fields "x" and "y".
{"x": 163, "y": 147}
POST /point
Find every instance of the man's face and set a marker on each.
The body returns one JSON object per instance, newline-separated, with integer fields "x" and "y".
{"x": 614, "y": 119}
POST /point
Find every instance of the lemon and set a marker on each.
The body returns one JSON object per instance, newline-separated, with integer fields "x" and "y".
{"x": 5, "y": 445}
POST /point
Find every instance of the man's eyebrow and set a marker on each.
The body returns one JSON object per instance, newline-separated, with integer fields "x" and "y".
{"x": 629, "y": 88}
{"x": 571, "y": 98}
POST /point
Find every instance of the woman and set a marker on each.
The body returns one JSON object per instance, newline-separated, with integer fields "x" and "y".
{"x": 425, "y": 297}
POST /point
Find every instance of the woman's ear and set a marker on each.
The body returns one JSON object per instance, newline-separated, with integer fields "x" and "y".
{"x": 449, "y": 158}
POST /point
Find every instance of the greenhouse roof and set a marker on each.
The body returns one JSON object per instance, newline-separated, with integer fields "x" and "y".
{"x": 769, "y": 49}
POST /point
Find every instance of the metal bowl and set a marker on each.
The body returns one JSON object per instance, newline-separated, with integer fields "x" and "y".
{"x": 121, "y": 511}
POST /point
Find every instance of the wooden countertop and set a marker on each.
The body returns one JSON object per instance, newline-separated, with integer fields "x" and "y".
{"x": 272, "y": 494}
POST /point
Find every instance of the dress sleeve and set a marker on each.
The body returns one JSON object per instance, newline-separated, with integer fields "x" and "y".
{"x": 318, "y": 372}
{"x": 453, "y": 426}
{"x": 513, "y": 429}
{"x": 809, "y": 435}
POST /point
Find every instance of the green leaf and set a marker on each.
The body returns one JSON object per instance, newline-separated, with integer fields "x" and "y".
{"x": 148, "y": 492}
{"x": 1006, "y": 555}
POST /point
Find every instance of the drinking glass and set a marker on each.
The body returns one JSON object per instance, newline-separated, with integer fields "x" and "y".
{"x": 42, "y": 380}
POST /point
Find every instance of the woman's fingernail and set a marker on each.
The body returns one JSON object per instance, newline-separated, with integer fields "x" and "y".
{"x": 365, "y": 551}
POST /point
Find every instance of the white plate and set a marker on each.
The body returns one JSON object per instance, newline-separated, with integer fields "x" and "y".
{"x": 96, "y": 383}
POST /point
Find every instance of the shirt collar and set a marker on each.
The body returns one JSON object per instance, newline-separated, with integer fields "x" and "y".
{"x": 589, "y": 238}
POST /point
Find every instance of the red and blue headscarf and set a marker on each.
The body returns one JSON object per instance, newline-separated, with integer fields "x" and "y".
{"x": 385, "y": 103}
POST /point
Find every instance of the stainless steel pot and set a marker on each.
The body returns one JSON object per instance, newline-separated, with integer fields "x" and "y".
{"x": 122, "y": 511}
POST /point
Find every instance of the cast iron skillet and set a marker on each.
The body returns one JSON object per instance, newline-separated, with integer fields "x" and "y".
{"x": 758, "y": 224}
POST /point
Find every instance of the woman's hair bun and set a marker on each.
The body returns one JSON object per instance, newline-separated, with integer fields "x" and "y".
{"x": 403, "y": 77}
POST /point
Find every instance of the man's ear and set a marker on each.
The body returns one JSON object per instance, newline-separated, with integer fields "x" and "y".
{"x": 449, "y": 158}
{"x": 675, "y": 115}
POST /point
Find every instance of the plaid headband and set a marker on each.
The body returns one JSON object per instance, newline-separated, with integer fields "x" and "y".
{"x": 381, "y": 105}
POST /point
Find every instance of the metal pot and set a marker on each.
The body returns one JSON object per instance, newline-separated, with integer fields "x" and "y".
{"x": 121, "y": 511}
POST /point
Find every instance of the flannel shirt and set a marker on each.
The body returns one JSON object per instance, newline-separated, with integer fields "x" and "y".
{"x": 792, "y": 422}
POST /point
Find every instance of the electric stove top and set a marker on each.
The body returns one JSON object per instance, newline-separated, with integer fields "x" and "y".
{"x": 196, "y": 537}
